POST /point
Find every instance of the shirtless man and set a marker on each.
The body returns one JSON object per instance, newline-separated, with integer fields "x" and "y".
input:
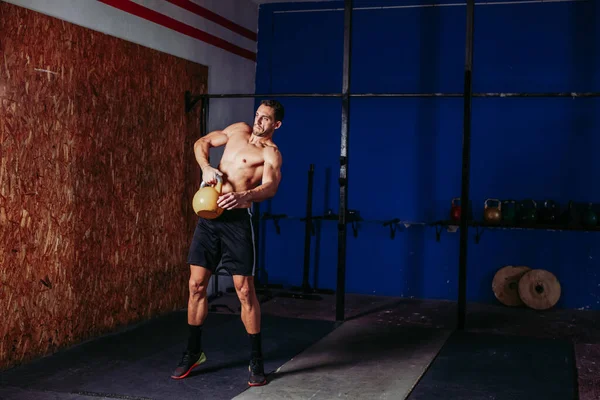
{"x": 251, "y": 171}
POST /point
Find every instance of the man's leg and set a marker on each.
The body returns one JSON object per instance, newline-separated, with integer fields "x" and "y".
{"x": 239, "y": 256}
{"x": 196, "y": 314}
{"x": 244, "y": 286}
{"x": 197, "y": 307}
{"x": 203, "y": 256}
{"x": 197, "y": 302}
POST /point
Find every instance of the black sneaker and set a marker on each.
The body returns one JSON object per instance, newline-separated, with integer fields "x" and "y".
{"x": 257, "y": 372}
{"x": 187, "y": 364}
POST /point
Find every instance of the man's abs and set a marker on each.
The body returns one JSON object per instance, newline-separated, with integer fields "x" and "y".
{"x": 239, "y": 178}
{"x": 241, "y": 165}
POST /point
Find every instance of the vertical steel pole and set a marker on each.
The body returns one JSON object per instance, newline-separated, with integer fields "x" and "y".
{"x": 308, "y": 229}
{"x": 341, "y": 267}
{"x": 466, "y": 160}
{"x": 204, "y": 116}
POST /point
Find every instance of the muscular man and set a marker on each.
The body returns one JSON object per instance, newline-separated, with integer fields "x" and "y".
{"x": 251, "y": 171}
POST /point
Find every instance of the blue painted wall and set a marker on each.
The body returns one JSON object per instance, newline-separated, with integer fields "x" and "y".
{"x": 405, "y": 154}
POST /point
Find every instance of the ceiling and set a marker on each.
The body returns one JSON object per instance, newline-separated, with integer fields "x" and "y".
{"x": 285, "y": 1}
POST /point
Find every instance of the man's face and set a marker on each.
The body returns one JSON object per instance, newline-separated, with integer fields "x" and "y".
{"x": 264, "y": 121}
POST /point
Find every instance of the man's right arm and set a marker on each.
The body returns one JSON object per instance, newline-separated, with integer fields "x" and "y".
{"x": 214, "y": 139}
{"x": 203, "y": 145}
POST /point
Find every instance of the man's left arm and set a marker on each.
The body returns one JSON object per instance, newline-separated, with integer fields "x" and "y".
{"x": 270, "y": 179}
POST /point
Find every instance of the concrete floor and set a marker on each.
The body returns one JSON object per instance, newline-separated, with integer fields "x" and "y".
{"x": 578, "y": 326}
{"x": 382, "y": 349}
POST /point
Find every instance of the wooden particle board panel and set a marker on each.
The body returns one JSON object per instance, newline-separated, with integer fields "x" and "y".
{"x": 97, "y": 174}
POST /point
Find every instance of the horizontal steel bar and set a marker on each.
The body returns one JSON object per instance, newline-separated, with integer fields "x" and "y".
{"x": 400, "y": 95}
{"x": 550, "y": 94}
{"x": 233, "y": 96}
{"x": 406, "y": 94}
{"x": 432, "y": 5}
{"x": 499, "y": 94}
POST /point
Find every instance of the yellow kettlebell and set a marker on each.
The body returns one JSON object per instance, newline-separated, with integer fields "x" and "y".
{"x": 205, "y": 200}
{"x": 492, "y": 214}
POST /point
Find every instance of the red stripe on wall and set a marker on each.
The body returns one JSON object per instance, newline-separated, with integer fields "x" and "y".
{"x": 168, "y": 22}
{"x": 216, "y": 18}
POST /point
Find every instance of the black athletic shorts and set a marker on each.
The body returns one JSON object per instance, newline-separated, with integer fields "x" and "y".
{"x": 228, "y": 239}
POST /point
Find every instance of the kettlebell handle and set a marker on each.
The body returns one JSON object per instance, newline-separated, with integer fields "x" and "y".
{"x": 485, "y": 204}
{"x": 219, "y": 180}
{"x": 533, "y": 202}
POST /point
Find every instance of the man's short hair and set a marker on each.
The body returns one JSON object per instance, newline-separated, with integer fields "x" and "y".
{"x": 277, "y": 107}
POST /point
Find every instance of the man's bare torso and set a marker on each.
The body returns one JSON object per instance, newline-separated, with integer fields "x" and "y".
{"x": 242, "y": 162}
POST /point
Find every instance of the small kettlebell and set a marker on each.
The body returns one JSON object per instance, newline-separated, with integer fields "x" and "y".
{"x": 492, "y": 214}
{"x": 548, "y": 212}
{"x": 589, "y": 217}
{"x": 205, "y": 200}
{"x": 455, "y": 209}
{"x": 528, "y": 211}
{"x": 509, "y": 211}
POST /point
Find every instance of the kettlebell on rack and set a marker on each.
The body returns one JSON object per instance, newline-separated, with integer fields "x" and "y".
{"x": 548, "y": 213}
{"x": 492, "y": 214}
{"x": 571, "y": 216}
{"x": 589, "y": 217}
{"x": 509, "y": 211}
{"x": 528, "y": 211}
{"x": 455, "y": 209}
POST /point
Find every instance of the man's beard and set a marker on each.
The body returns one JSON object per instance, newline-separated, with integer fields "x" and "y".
{"x": 257, "y": 132}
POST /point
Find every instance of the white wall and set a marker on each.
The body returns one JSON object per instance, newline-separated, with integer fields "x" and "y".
{"x": 228, "y": 73}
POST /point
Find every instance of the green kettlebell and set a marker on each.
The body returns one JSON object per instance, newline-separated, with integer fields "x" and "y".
{"x": 589, "y": 216}
{"x": 509, "y": 210}
{"x": 571, "y": 216}
{"x": 549, "y": 212}
{"x": 528, "y": 211}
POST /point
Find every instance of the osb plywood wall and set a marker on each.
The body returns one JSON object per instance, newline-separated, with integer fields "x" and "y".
{"x": 96, "y": 179}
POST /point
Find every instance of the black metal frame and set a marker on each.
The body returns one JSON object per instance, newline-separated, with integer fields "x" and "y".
{"x": 466, "y": 168}
{"x": 345, "y": 95}
{"x": 308, "y": 228}
{"x": 304, "y": 291}
{"x": 342, "y": 227}
{"x": 191, "y": 100}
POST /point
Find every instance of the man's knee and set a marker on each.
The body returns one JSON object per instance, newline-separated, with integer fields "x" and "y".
{"x": 244, "y": 290}
{"x": 244, "y": 294}
{"x": 198, "y": 287}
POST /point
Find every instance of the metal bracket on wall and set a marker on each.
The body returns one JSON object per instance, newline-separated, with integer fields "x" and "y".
{"x": 355, "y": 228}
{"x": 275, "y": 218}
{"x": 450, "y": 226}
{"x": 353, "y": 216}
{"x": 478, "y": 233}
{"x": 191, "y": 101}
{"x": 393, "y": 224}
{"x": 438, "y": 232}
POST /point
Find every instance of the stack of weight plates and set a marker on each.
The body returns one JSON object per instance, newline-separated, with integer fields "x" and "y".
{"x": 516, "y": 286}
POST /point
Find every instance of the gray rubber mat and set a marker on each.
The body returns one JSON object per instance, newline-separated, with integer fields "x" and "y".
{"x": 359, "y": 360}
{"x": 479, "y": 366}
{"x": 137, "y": 364}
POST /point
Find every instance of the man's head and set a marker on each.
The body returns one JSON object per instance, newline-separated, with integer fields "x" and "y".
{"x": 269, "y": 117}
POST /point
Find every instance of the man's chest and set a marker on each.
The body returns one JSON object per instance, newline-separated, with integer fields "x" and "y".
{"x": 242, "y": 154}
